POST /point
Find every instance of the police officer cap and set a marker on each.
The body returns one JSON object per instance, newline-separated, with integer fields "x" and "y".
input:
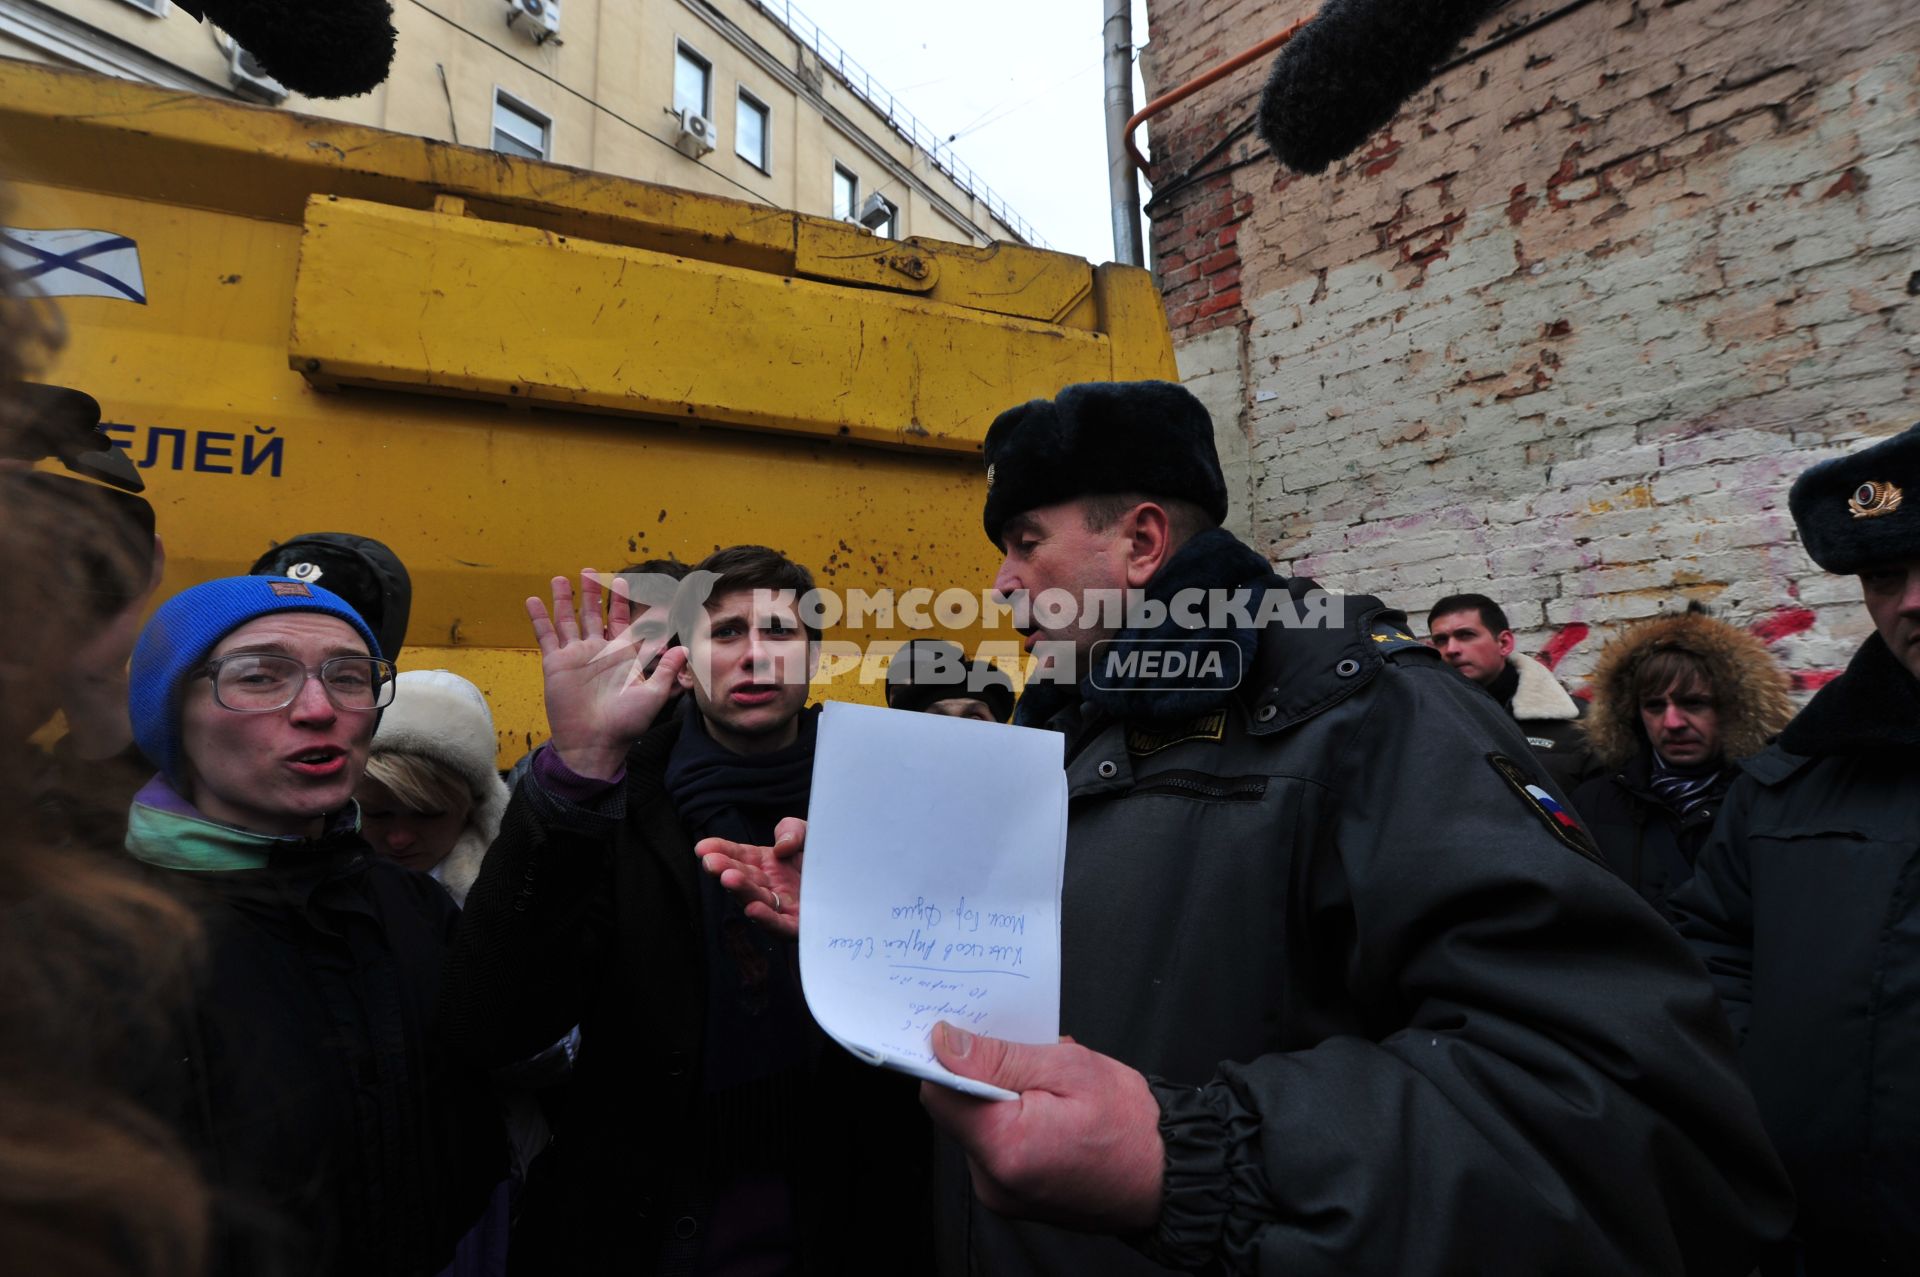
{"x": 1102, "y": 437}
{"x": 929, "y": 670}
{"x": 1863, "y": 508}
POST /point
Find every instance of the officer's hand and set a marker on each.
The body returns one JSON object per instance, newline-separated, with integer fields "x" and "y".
{"x": 766, "y": 879}
{"x": 600, "y": 699}
{"x": 1080, "y": 1147}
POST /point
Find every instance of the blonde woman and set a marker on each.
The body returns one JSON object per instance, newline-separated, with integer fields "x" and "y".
{"x": 431, "y": 799}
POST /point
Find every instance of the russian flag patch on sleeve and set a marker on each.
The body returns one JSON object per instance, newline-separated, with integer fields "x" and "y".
{"x": 1550, "y": 811}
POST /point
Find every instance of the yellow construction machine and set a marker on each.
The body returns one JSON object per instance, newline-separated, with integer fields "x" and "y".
{"x": 507, "y": 369}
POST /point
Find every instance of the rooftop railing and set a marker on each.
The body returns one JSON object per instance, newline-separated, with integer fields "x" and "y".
{"x": 862, "y": 85}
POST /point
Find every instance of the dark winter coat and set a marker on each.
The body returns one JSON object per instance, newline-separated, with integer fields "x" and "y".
{"x": 592, "y": 916}
{"x": 1806, "y": 908}
{"x": 1398, "y": 1017}
{"x": 331, "y": 1123}
{"x": 1650, "y": 844}
{"x": 1549, "y": 718}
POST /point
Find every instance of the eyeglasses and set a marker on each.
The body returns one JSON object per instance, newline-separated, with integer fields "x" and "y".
{"x": 258, "y": 682}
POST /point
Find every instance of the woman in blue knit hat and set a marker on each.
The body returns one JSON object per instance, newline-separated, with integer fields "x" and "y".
{"x": 310, "y": 1081}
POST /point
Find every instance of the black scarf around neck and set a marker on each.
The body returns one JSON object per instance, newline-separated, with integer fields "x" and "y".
{"x": 721, "y": 794}
{"x": 1214, "y": 560}
{"x": 1505, "y": 685}
{"x": 1873, "y": 706}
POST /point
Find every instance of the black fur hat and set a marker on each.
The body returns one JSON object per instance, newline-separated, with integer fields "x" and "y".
{"x": 1101, "y": 437}
{"x": 929, "y": 670}
{"x": 361, "y": 570}
{"x": 1863, "y": 508}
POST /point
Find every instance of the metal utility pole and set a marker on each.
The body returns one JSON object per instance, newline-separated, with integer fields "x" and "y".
{"x": 1122, "y": 183}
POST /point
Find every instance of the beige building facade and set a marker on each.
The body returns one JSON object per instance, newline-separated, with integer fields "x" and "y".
{"x": 732, "y": 97}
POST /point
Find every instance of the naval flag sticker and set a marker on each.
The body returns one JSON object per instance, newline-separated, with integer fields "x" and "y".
{"x": 74, "y": 263}
{"x": 1550, "y": 810}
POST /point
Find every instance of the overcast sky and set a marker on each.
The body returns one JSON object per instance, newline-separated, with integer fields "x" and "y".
{"x": 1018, "y": 80}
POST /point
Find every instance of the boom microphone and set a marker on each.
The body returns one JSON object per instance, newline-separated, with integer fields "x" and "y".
{"x": 1349, "y": 71}
{"x": 322, "y": 48}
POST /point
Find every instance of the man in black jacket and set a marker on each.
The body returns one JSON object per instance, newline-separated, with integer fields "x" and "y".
{"x": 1805, "y": 904}
{"x": 708, "y": 1128}
{"x": 1472, "y": 633}
{"x": 1348, "y": 989}
{"x": 1677, "y": 701}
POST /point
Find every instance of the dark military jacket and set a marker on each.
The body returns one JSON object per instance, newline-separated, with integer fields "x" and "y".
{"x": 1805, "y": 905}
{"x": 1398, "y": 1016}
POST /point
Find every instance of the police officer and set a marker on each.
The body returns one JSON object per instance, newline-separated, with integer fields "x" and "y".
{"x": 1349, "y": 990}
{"x": 1805, "y": 903}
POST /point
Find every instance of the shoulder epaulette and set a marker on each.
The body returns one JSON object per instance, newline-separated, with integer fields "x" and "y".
{"x": 1391, "y": 638}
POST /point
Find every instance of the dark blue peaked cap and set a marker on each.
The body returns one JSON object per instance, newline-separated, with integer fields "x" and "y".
{"x": 1864, "y": 508}
{"x": 1102, "y": 437}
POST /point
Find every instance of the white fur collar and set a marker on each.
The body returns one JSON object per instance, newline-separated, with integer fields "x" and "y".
{"x": 1540, "y": 695}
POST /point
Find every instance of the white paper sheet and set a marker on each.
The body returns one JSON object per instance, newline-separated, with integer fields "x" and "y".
{"x": 935, "y": 850}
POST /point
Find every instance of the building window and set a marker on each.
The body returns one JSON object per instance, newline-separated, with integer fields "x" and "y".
{"x": 750, "y": 132}
{"x": 846, "y": 194}
{"x": 692, "y": 82}
{"x": 520, "y": 130}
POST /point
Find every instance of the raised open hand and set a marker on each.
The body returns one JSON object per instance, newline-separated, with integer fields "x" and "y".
{"x": 600, "y": 699}
{"x": 765, "y": 879}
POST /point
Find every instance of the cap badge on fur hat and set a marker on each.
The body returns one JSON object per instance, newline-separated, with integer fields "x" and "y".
{"x": 1851, "y": 510}
{"x": 1875, "y": 498}
{"x": 989, "y": 478}
{"x": 305, "y": 572}
{"x": 1100, "y": 438}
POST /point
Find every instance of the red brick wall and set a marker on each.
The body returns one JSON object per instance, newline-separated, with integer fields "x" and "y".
{"x": 1568, "y": 327}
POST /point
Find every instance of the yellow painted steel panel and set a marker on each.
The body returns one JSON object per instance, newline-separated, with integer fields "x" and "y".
{"x": 398, "y": 297}
{"x": 486, "y": 500}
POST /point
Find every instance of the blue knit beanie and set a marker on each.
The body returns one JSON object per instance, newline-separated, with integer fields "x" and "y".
{"x": 188, "y": 626}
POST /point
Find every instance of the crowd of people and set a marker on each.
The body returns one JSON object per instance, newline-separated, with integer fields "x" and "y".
{"x": 1382, "y": 951}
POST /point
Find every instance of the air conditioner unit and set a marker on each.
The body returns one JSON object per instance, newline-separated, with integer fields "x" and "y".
{"x": 542, "y": 18}
{"x": 875, "y": 213}
{"x": 250, "y": 79}
{"x": 696, "y": 134}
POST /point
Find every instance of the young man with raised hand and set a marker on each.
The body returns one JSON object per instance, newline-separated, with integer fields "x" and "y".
{"x": 710, "y": 1128}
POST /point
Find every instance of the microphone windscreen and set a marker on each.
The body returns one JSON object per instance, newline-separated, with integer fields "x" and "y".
{"x": 322, "y": 48}
{"x": 1347, "y": 73}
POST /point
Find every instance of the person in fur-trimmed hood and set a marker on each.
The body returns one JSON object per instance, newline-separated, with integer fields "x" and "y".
{"x": 431, "y": 799}
{"x": 1677, "y": 700}
{"x": 1805, "y": 903}
{"x": 1471, "y": 632}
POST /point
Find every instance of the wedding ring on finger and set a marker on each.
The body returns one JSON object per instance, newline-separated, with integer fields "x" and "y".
{"x": 776, "y": 902}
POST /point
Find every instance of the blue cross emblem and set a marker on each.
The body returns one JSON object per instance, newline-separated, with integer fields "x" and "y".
{"x": 75, "y": 263}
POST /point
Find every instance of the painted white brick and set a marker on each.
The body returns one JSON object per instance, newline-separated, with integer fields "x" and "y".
{"x": 1591, "y": 418}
